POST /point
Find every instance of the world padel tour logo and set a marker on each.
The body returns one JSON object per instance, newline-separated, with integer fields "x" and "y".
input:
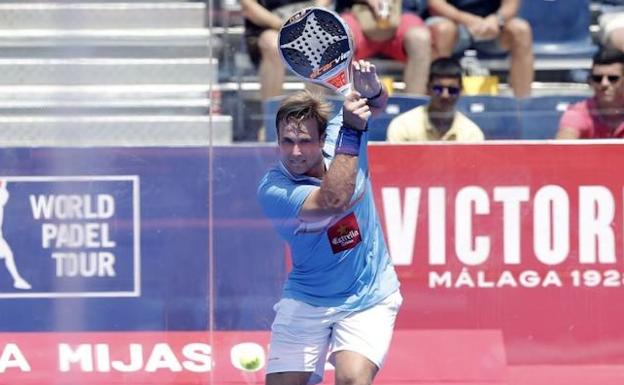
{"x": 69, "y": 236}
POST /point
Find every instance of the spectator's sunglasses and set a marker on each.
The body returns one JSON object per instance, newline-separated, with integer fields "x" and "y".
{"x": 598, "y": 78}
{"x": 439, "y": 90}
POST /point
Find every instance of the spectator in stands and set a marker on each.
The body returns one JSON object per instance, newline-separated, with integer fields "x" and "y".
{"x": 263, "y": 20}
{"x": 409, "y": 42}
{"x": 491, "y": 27}
{"x": 601, "y": 116}
{"x": 438, "y": 120}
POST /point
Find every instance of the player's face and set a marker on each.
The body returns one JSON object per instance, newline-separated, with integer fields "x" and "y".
{"x": 444, "y": 93}
{"x": 301, "y": 147}
{"x": 607, "y": 83}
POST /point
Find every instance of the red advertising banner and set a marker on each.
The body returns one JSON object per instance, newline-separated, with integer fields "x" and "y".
{"x": 187, "y": 358}
{"x": 510, "y": 256}
{"x": 195, "y": 358}
{"x": 523, "y": 239}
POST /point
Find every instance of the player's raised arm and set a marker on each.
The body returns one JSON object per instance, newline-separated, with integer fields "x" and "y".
{"x": 338, "y": 183}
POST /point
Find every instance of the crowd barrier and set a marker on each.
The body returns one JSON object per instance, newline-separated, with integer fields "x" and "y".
{"x": 156, "y": 265}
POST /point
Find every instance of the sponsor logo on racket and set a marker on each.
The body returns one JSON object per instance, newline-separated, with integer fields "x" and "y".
{"x": 327, "y": 67}
{"x": 314, "y": 43}
{"x": 296, "y": 17}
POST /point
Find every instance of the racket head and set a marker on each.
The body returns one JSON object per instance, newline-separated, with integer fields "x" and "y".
{"x": 316, "y": 45}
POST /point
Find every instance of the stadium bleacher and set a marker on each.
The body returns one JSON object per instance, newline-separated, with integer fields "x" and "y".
{"x": 560, "y": 29}
{"x": 92, "y": 65}
{"x": 497, "y": 116}
{"x": 500, "y": 117}
{"x": 111, "y": 59}
{"x": 397, "y": 104}
{"x": 562, "y": 56}
{"x": 539, "y": 115}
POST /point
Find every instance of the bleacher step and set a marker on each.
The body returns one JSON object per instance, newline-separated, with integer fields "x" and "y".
{"x": 71, "y": 71}
{"x": 72, "y": 131}
{"x": 102, "y": 15}
{"x": 95, "y": 106}
{"x": 110, "y": 91}
{"x": 191, "y": 37}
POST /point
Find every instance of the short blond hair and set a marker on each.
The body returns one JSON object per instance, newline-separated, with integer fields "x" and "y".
{"x": 304, "y": 105}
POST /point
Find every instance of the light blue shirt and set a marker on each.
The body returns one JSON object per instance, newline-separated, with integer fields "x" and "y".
{"x": 341, "y": 261}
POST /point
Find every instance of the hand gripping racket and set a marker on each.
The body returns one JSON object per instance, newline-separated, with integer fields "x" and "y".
{"x": 315, "y": 44}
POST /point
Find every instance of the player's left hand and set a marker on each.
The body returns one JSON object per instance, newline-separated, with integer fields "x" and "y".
{"x": 365, "y": 79}
{"x": 355, "y": 111}
{"x": 367, "y": 83}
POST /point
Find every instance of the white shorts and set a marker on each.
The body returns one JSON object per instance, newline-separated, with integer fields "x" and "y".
{"x": 303, "y": 334}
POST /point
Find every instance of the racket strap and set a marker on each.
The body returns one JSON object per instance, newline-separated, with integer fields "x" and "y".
{"x": 379, "y": 100}
{"x": 348, "y": 142}
{"x": 381, "y": 90}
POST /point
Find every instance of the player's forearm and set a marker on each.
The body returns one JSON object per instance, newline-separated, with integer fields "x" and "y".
{"x": 339, "y": 183}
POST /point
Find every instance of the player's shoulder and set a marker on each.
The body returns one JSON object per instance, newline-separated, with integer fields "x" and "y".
{"x": 275, "y": 177}
{"x": 272, "y": 176}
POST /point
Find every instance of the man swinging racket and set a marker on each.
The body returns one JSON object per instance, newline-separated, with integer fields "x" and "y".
{"x": 342, "y": 296}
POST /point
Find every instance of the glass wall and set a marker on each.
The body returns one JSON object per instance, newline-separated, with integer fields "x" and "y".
{"x": 106, "y": 249}
{"x": 133, "y": 249}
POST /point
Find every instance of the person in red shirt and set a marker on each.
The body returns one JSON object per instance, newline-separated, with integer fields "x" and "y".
{"x": 601, "y": 116}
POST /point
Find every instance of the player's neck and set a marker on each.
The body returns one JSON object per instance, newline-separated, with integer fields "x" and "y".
{"x": 318, "y": 171}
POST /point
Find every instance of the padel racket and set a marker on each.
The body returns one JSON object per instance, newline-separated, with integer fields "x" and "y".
{"x": 315, "y": 44}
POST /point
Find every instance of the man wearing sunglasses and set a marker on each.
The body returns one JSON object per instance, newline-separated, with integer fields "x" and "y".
{"x": 601, "y": 116}
{"x": 439, "y": 119}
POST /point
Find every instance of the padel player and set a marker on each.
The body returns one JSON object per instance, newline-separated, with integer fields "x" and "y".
{"x": 342, "y": 296}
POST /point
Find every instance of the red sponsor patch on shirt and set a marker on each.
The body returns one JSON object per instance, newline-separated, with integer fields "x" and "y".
{"x": 344, "y": 234}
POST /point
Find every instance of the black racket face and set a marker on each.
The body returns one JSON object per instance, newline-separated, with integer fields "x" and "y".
{"x": 315, "y": 44}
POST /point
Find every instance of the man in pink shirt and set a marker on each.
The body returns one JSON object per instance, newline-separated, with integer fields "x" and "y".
{"x": 601, "y": 116}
